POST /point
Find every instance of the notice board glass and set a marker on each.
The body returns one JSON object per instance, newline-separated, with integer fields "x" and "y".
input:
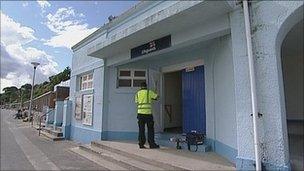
{"x": 78, "y": 106}
{"x": 87, "y": 109}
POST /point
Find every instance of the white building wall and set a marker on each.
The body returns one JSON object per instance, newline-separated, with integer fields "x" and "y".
{"x": 121, "y": 106}
{"x": 220, "y": 106}
{"x": 219, "y": 94}
{"x": 221, "y": 119}
{"x": 228, "y": 105}
{"x": 269, "y": 28}
{"x": 83, "y": 64}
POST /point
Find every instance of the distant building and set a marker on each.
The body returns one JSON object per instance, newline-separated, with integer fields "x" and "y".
{"x": 60, "y": 93}
{"x": 194, "y": 54}
{"x": 46, "y": 99}
{"x": 62, "y": 84}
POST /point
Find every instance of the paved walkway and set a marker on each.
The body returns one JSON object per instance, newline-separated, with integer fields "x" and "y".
{"x": 165, "y": 158}
{"x": 23, "y": 149}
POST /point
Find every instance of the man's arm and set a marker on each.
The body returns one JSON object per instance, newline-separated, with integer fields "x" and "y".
{"x": 154, "y": 96}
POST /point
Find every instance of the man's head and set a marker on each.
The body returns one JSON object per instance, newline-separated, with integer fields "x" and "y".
{"x": 143, "y": 85}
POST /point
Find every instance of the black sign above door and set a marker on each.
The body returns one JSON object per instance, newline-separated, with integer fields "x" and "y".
{"x": 154, "y": 45}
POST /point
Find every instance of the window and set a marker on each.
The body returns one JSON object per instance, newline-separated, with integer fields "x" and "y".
{"x": 131, "y": 77}
{"x": 86, "y": 82}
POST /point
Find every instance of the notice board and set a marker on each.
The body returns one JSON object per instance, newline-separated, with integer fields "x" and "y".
{"x": 78, "y": 107}
{"x": 87, "y": 109}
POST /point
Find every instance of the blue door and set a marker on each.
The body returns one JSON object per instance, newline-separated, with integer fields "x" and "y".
{"x": 193, "y": 96}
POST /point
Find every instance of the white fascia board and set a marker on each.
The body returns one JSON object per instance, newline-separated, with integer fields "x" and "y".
{"x": 156, "y": 17}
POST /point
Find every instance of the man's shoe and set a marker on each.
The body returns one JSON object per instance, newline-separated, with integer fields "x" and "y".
{"x": 154, "y": 146}
{"x": 142, "y": 147}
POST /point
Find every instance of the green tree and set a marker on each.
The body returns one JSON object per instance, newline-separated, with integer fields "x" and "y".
{"x": 13, "y": 94}
{"x": 10, "y": 94}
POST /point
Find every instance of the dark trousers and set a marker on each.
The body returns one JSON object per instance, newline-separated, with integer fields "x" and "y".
{"x": 142, "y": 121}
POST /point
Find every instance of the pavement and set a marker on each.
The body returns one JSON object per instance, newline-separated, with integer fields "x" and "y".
{"x": 23, "y": 149}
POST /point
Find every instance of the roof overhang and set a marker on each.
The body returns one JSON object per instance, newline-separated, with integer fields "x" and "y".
{"x": 198, "y": 13}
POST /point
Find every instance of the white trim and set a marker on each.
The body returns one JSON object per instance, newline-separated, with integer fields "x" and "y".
{"x": 162, "y": 102}
{"x": 87, "y": 68}
{"x": 84, "y": 121}
{"x": 133, "y": 12}
{"x": 131, "y": 77}
{"x": 86, "y": 81}
{"x": 181, "y": 66}
{"x": 86, "y": 127}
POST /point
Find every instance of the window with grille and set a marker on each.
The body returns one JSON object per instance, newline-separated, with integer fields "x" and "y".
{"x": 86, "y": 81}
{"x": 131, "y": 77}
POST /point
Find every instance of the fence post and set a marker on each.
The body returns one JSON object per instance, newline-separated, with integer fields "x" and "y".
{"x": 58, "y": 116}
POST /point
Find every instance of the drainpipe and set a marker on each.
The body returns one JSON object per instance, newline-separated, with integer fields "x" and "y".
{"x": 252, "y": 86}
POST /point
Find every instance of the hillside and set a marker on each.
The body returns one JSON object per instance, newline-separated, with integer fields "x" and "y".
{"x": 15, "y": 95}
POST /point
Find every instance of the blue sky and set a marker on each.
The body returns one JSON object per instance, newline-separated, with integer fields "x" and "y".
{"x": 44, "y": 31}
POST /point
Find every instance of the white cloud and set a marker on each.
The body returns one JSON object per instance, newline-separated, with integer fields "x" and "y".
{"x": 16, "y": 69}
{"x": 13, "y": 32}
{"x": 43, "y": 4}
{"x": 68, "y": 27}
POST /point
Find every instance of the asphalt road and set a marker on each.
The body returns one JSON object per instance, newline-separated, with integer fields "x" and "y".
{"x": 23, "y": 149}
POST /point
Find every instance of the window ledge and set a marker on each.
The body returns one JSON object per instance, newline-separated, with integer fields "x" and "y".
{"x": 81, "y": 92}
{"x": 126, "y": 90}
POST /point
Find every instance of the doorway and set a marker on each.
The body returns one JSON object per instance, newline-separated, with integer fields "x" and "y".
{"x": 292, "y": 67}
{"x": 184, "y": 101}
{"x": 173, "y": 102}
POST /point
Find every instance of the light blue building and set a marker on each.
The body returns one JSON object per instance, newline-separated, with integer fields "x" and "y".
{"x": 194, "y": 54}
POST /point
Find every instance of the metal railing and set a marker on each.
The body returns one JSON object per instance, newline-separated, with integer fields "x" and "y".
{"x": 40, "y": 120}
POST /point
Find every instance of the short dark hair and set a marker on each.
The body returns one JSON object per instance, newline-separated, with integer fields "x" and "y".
{"x": 143, "y": 85}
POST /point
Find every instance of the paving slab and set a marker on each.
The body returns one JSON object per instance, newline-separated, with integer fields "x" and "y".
{"x": 98, "y": 160}
{"x": 129, "y": 162}
{"x": 23, "y": 149}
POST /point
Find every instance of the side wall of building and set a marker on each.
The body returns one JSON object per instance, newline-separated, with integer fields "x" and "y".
{"x": 220, "y": 106}
{"x": 83, "y": 64}
{"x": 269, "y": 28}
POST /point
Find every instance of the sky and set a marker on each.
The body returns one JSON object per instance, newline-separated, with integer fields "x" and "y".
{"x": 45, "y": 31}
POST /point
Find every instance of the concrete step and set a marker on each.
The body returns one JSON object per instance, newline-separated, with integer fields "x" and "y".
{"x": 107, "y": 165}
{"x": 130, "y": 155}
{"x": 126, "y": 162}
{"x": 51, "y": 136}
{"x": 58, "y": 128}
{"x": 37, "y": 126}
{"x": 52, "y": 131}
{"x": 166, "y": 157}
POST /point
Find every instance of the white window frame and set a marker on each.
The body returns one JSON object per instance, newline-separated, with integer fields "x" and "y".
{"x": 81, "y": 82}
{"x": 132, "y": 77}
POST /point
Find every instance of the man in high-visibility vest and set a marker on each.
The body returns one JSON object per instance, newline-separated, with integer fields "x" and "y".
{"x": 143, "y": 99}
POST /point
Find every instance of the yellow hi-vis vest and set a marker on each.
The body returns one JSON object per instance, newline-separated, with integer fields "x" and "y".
{"x": 143, "y": 99}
